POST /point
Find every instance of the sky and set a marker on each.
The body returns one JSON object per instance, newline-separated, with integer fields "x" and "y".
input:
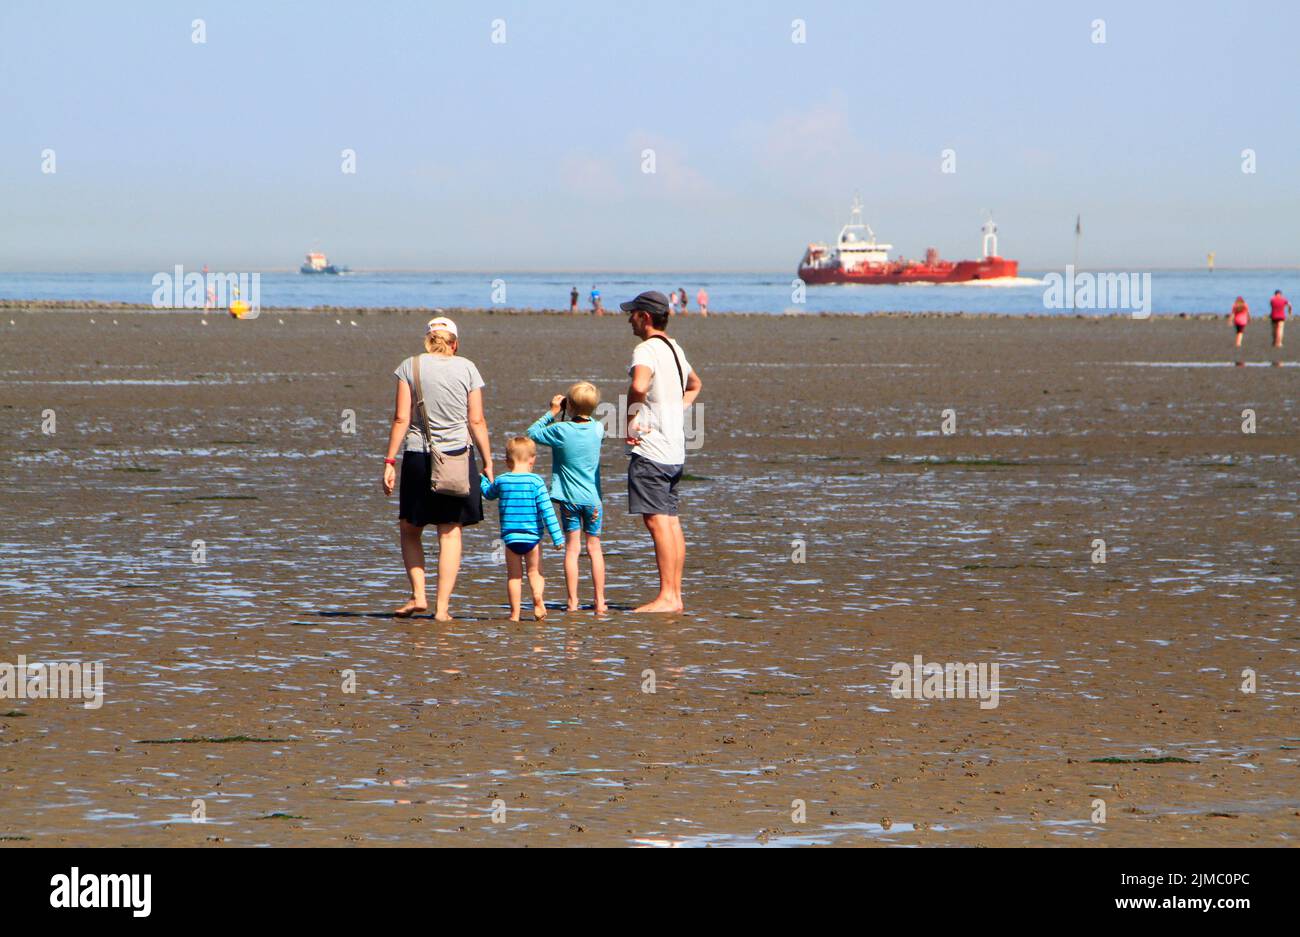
{"x": 528, "y": 154}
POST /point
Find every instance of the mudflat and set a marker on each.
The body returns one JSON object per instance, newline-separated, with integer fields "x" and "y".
{"x": 203, "y": 521}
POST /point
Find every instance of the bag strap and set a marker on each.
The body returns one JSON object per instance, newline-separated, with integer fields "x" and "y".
{"x": 673, "y": 351}
{"x": 424, "y": 429}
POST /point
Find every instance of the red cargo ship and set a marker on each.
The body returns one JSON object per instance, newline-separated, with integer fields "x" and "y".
{"x": 859, "y": 258}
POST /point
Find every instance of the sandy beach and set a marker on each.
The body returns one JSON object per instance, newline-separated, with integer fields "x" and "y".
{"x": 824, "y": 441}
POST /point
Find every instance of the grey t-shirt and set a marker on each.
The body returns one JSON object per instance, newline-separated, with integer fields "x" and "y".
{"x": 446, "y": 382}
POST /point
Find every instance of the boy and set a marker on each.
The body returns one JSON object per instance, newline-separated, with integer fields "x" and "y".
{"x": 575, "y": 481}
{"x": 524, "y": 508}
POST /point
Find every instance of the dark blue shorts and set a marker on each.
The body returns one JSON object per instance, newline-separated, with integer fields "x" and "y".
{"x": 652, "y": 486}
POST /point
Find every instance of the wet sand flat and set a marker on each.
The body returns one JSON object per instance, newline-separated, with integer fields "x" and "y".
{"x": 823, "y": 442}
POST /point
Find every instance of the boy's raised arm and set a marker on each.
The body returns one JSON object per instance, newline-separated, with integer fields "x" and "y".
{"x": 490, "y": 489}
{"x": 545, "y": 431}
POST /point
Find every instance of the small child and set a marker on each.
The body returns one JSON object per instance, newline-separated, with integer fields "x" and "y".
{"x": 525, "y": 507}
{"x": 575, "y": 481}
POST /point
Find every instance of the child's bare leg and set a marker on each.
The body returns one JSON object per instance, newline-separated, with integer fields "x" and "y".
{"x": 572, "y": 547}
{"x": 597, "y": 556}
{"x": 537, "y": 582}
{"x": 514, "y": 581}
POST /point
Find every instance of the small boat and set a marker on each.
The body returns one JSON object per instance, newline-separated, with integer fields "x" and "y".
{"x": 317, "y": 263}
{"x": 859, "y": 258}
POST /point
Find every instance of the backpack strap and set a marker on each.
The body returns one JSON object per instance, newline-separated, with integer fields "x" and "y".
{"x": 673, "y": 351}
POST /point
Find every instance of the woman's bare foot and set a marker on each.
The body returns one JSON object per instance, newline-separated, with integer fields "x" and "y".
{"x": 443, "y": 615}
{"x": 410, "y": 608}
{"x": 573, "y": 606}
{"x": 661, "y": 604}
{"x": 601, "y": 608}
{"x": 539, "y": 611}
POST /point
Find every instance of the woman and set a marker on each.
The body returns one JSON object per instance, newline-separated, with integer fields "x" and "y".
{"x": 451, "y": 418}
{"x": 1240, "y": 317}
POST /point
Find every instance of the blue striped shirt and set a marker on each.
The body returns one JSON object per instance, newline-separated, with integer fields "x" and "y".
{"x": 525, "y": 507}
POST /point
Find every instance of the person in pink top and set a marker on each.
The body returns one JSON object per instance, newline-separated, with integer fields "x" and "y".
{"x": 1279, "y": 309}
{"x": 1240, "y": 317}
{"x": 702, "y": 300}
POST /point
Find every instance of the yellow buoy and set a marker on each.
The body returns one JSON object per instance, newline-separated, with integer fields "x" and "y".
{"x": 239, "y": 309}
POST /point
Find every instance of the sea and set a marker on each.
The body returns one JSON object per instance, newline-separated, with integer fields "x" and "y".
{"x": 1169, "y": 291}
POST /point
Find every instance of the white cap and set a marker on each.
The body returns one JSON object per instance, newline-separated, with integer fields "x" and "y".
{"x": 441, "y": 324}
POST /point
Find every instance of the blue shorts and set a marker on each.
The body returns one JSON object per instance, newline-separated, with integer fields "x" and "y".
{"x": 584, "y": 517}
{"x": 652, "y": 486}
{"x": 523, "y": 547}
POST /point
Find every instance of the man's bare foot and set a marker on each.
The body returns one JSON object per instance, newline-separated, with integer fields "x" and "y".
{"x": 410, "y": 608}
{"x": 660, "y": 604}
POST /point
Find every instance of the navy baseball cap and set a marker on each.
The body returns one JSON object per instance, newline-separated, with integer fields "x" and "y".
{"x": 650, "y": 301}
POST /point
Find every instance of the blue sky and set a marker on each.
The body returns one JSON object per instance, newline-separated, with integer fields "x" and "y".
{"x": 526, "y": 155}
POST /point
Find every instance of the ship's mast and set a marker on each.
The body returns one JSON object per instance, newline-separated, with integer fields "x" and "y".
{"x": 990, "y": 231}
{"x": 855, "y": 220}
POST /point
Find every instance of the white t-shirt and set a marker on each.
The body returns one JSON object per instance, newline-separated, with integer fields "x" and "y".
{"x": 663, "y": 421}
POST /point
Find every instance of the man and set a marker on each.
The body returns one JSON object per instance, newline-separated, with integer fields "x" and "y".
{"x": 596, "y": 306}
{"x": 663, "y": 386}
{"x": 1279, "y": 309}
{"x": 573, "y": 301}
{"x": 702, "y": 300}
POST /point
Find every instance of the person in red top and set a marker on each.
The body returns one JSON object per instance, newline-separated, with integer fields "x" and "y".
{"x": 1280, "y": 308}
{"x": 1240, "y": 317}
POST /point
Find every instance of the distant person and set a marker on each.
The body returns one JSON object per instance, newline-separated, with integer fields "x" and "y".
{"x": 702, "y": 300}
{"x": 672, "y": 304}
{"x": 596, "y": 306}
{"x": 1240, "y": 318}
{"x": 575, "y": 438}
{"x": 439, "y": 411}
{"x": 681, "y": 298}
{"x": 525, "y": 511}
{"x": 663, "y": 386}
{"x": 573, "y": 301}
{"x": 1279, "y": 309}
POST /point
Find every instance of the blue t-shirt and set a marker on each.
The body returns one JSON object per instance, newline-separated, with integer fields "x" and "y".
{"x": 575, "y": 457}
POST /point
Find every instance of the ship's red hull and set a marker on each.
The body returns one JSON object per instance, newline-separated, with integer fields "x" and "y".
{"x": 990, "y": 268}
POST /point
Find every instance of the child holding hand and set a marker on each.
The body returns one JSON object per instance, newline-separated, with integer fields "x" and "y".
{"x": 525, "y": 509}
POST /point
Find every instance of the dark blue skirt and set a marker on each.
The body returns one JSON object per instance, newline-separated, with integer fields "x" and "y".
{"x": 419, "y": 505}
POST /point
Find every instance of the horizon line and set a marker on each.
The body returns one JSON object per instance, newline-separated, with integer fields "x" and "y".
{"x": 638, "y": 272}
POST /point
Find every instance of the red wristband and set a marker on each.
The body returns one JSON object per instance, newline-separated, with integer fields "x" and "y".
{"x": 390, "y": 461}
